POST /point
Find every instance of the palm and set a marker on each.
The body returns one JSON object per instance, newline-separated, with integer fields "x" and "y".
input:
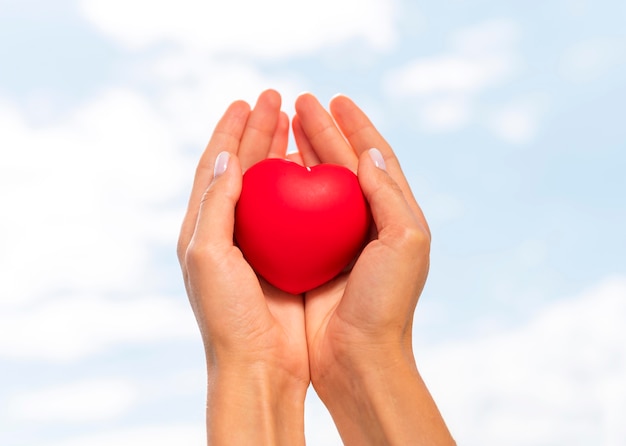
{"x": 325, "y": 331}
{"x": 255, "y": 319}
{"x": 354, "y": 311}
{"x": 347, "y": 312}
{"x": 267, "y": 322}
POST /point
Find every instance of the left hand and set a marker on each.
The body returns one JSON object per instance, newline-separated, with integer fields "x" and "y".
{"x": 253, "y": 333}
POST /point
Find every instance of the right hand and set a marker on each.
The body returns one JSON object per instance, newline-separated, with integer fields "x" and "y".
{"x": 359, "y": 325}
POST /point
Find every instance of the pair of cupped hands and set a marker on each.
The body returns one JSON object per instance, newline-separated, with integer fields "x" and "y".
{"x": 258, "y": 335}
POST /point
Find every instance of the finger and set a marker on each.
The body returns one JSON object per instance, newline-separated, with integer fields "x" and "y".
{"x": 278, "y": 148}
{"x": 320, "y": 129}
{"x": 216, "y": 216}
{"x": 305, "y": 149}
{"x": 399, "y": 252}
{"x": 209, "y": 263}
{"x": 260, "y": 129}
{"x": 226, "y": 136}
{"x": 362, "y": 135}
{"x": 394, "y": 265}
{"x": 387, "y": 201}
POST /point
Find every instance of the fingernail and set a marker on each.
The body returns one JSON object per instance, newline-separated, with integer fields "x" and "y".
{"x": 378, "y": 159}
{"x": 221, "y": 163}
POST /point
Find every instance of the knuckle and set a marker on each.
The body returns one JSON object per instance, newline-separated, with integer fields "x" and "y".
{"x": 206, "y": 196}
{"x": 197, "y": 253}
{"x": 412, "y": 238}
{"x": 388, "y": 187}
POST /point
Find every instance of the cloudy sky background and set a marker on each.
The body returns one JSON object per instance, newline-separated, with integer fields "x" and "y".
{"x": 508, "y": 117}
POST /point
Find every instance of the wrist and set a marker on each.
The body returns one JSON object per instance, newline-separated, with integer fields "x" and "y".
{"x": 352, "y": 379}
{"x": 271, "y": 399}
{"x": 358, "y": 359}
{"x": 385, "y": 402}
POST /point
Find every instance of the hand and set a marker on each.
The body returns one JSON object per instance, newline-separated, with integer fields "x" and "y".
{"x": 253, "y": 333}
{"x": 359, "y": 326}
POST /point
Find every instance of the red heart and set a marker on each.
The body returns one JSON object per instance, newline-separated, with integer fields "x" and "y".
{"x": 300, "y": 227}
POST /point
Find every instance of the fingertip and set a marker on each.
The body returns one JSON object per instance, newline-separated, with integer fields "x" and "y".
{"x": 368, "y": 171}
{"x": 338, "y": 97}
{"x": 377, "y": 157}
{"x": 301, "y": 97}
{"x": 379, "y": 188}
{"x": 271, "y": 91}
{"x": 304, "y": 93}
{"x": 239, "y": 106}
{"x": 271, "y": 96}
{"x": 221, "y": 164}
{"x": 373, "y": 160}
{"x": 304, "y": 100}
{"x": 340, "y": 102}
{"x": 227, "y": 166}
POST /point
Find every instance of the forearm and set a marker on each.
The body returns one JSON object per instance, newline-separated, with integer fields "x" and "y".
{"x": 384, "y": 404}
{"x": 254, "y": 405}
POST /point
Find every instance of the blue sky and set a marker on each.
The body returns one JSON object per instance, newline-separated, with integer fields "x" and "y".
{"x": 508, "y": 118}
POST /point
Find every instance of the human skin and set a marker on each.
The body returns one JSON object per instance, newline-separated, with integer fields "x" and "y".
{"x": 359, "y": 326}
{"x": 352, "y": 337}
{"x": 253, "y": 333}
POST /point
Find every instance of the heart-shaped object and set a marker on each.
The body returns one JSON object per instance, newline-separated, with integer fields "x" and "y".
{"x": 300, "y": 227}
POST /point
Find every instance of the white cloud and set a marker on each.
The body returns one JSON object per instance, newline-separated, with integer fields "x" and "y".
{"x": 515, "y": 123}
{"x": 489, "y": 37}
{"x": 85, "y": 202}
{"x": 269, "y": 29}
{"x": 69, "y": 328}
{"x": 87, "y": 196}
{"x": 195, "y": 89}
{"x": 591, "y": 59}
{"x": 446, "y": 86}
{"x": 83, "y": 199}
{"x": 185, "y": 434}
{"x": 481, "y": 57}
{"x": 94, "y": 400}
{"x": 560, "y": 379}
{"x": 443, "y": 114}
{"x": 450, "y": 73}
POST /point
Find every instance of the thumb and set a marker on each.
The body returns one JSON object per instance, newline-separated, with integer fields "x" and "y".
{"x": 388, "y": 276}
{"x": 216, "y": 217}
{"x": 389, "y": 207}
